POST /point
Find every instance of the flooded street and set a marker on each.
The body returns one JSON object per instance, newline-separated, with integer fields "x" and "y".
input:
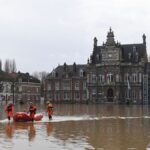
{"x": 79, "y": 127}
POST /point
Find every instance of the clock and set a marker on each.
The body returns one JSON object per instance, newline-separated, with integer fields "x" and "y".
{"x": 109, "y": 55}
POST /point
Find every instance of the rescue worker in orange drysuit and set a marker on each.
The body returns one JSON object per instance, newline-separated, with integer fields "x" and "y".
{"x": 49, "y": 110}
{"x": 9, "y": 110}
{"x": 32, "y": 111}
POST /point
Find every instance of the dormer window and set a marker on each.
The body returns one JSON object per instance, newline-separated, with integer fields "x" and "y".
{"x": 81, "y": 73}
{"x": 129, "y": 55}
{"x": 67, "y": 75}
{"x": 97, "y": 57}
{"x": 134, "y": 49}
{"x": 136, "y": 56}
{"x": 53, "y": 73}
{"x": 20, "y": 80}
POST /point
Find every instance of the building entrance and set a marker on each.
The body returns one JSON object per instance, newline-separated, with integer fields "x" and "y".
{"x": 110, "y": 95}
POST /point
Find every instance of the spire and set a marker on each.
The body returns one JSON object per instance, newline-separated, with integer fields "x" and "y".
{"x": 65, "y": 67}
{"x": 95, "y": 41}
{"x": 144, "y": 39}
{"x": 110, "y": 38}
{"x": 74, "y": 67}
{"x": 88, "y": 61}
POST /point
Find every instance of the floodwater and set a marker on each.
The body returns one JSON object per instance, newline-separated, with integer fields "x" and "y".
{"x": 80, "y": 127}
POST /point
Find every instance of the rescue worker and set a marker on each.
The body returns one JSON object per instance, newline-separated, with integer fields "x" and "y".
{"x": 32, "y": 111}
{"x": 9, "y": 110}
{"x": 49, "y": 110}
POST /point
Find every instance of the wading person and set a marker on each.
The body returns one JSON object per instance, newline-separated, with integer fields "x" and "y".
{"x": 32, "y": 111}
{"x": 49, "y": 110}
{"x": 9, "y": 110}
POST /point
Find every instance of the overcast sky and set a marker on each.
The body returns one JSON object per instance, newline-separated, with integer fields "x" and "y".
{"x": 40, "y": 34}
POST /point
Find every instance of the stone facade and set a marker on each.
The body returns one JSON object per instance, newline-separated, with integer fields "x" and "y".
{"x": 114, "y": 74}
{"x": 115, "y": 71}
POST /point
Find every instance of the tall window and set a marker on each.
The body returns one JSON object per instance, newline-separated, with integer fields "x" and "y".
{"x": 93, "y": 78}
{"x": 57, "y": 85}
{"x": 126, "y": 77}
{"x": 117, "y": 77}
{"x": 66, "y": 85}
{"x": 84, "y": 85}
{"x": 88, "y": 78}
{"x": 134, "y": 77}
{"x": 103, "y": 78}
{"x": 109, "y": 77}
{"x": 77, "y": 85}
{"x": 48, "y": 86}
{"x": 57, "y": 96}
{"x": 134, "y": 94}
{"x": 140, "y": 77}
{"x": 53, "y": 73}
{"x": 77, "y": 96}
{"x": 100, "y": 78}
{"x": 81, "y": 73}
{"x": 66, "y": 96}
{"x": 84, "y": 95}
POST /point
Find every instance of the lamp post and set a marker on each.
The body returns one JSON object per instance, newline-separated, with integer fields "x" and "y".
{"x": 13, "y": 92}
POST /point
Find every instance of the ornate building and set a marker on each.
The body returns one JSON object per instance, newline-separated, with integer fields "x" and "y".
{"x": 115, "y": 73}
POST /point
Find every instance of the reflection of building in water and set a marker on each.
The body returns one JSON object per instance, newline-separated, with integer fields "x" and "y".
{"x": 9, "y": 130}
{"x": 31, "y": 132}
{"x": 49, "y": 128}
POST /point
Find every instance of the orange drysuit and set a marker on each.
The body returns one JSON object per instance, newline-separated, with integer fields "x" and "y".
{"x": 50, "y": 110}
{"x": 9, "y": 111}
{"x": 32, "y": 110}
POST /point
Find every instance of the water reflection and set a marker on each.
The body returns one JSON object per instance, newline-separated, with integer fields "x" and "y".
{"x": 49, "y": 128}
{"x": 31, "y": 132}
{"x": 12, "y": 128}
{"x": 9, "y": 130}
{"x": 83, "y": 127}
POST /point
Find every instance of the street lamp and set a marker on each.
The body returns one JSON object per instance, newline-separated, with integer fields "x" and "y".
{"x": 13, "y": 92}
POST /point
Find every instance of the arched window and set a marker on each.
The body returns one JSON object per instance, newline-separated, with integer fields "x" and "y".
{"x": 81, "y": 73}
{"x": 117, "y": 77}
{"x": 53, "y": 73}
{"x": 97, "y": 57}
{"x": 136, "y": 57}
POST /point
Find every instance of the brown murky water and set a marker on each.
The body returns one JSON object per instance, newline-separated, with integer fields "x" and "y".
{"x": 79, "y": 127}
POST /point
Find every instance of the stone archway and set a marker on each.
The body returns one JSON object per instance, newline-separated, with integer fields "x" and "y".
{"x": 110, "y": 95}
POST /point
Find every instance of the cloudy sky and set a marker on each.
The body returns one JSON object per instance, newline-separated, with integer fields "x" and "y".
{"x": 40, "y": 34}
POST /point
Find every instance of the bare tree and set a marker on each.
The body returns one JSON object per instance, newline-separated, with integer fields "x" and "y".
{"x": 10, "y": 66}
{"x": 6, "y": 66}
{"x": 14, "y": 68}
{"x": 40, "y": 75}
{"x": 36, "y": 75}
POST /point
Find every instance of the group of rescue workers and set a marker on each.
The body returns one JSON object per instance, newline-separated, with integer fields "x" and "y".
{"x": 31, "y": 110}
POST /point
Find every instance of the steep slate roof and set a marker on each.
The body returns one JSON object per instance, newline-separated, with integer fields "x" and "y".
{"x": 130, "y": 52}
{"x": 27, "y": 78}
{"x": 71, "y": 70}
{"x": 128, "y": 48}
